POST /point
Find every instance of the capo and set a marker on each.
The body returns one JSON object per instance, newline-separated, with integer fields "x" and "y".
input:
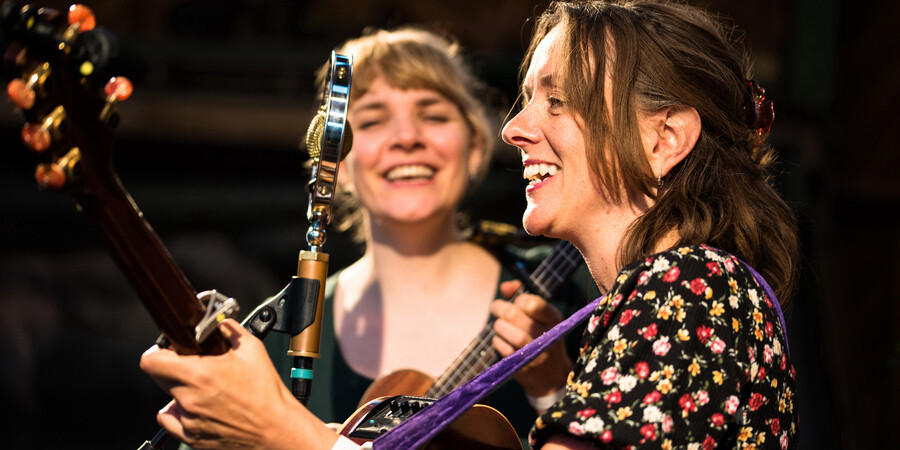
{"x": 218, "y": 308}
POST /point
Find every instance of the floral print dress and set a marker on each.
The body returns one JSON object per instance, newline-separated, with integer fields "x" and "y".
{"x": 686, "y": 351}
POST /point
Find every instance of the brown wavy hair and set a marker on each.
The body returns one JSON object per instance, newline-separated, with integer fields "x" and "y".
{"x": 661, "y": 54}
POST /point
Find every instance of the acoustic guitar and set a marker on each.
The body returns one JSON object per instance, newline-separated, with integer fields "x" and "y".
{"x": 395, "y": 397}
{"x": 59, "y": 64}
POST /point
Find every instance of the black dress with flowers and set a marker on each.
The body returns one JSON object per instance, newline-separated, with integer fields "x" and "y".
{"x": 686, "y": 351}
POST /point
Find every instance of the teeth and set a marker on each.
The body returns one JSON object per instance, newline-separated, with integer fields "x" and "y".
{"x": 411, "y": 171}
{"x": 538, "y": 172}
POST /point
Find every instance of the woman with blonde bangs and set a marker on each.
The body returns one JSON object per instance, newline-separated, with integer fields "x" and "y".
{"x": 421, "y": 292}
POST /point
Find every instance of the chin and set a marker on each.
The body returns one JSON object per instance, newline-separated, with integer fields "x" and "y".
{"x": 534, "y": 224}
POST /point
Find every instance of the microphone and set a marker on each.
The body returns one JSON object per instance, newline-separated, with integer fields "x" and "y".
{"x": 328, "y": 141}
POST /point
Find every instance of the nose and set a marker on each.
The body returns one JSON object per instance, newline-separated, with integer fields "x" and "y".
{"x": 520, "y": 130}
{"x": 407, "y": 134}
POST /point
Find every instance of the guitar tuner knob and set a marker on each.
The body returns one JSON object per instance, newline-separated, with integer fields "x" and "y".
{"x": 50, "y": 176}
{"x": 38, "y": 137}
{"x": 55, "y": 175}
{"x": 118, "y": 89}
{"x": 21, "y": 94}
{"x": 81, "y": 16}
{"x": 24, "y": 91}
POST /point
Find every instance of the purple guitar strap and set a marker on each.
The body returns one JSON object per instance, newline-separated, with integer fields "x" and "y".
{"x": 416, "y": 431}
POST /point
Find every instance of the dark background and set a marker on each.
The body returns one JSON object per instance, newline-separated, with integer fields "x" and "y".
{"x": 208, "y": 147}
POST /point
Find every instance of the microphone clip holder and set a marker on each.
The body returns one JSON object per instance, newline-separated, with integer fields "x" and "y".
{"x": 290, "y": 311}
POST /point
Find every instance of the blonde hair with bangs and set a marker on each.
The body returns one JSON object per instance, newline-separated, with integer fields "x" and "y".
{"x": 415, "y": 58}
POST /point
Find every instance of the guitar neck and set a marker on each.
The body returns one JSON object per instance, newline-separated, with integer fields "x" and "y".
{"x": 549, "y": 276}
{"x": 147, "y": 264}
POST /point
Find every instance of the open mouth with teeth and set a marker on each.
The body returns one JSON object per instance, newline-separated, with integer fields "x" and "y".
{"x": 410, "y": 172}
{"x": 535, "y": 173}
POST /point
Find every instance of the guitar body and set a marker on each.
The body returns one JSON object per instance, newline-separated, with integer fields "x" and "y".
{"x": 481, "y": 427}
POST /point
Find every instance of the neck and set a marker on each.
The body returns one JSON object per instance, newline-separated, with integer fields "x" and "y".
{"x": 420, "y": 252}
{"x": 601, "y": 243}
{"x": 600, "y": 256}
{"x": 411, "y": 239}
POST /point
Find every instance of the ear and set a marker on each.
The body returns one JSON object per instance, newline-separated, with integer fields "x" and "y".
{"x": 345, "y": 174}
{"x": 669, "y": 135}
{"x": 476, "y": 156}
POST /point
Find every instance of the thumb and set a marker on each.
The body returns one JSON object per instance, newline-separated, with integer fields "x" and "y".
{"x": 232, "y": 330}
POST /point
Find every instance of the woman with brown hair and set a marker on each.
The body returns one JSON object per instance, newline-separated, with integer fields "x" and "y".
{"x": 654, "y": 136}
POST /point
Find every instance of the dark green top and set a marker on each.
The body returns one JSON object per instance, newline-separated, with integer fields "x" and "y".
{"x": 337, "y": 389}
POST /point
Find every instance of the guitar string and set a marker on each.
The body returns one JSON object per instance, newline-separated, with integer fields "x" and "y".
{"x": 476, "y": 357}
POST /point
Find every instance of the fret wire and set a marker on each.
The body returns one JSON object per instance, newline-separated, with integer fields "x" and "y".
{"x": 564, "y": 262}
{"x": 473, "y": 352}
{"x": 486, "y": 333}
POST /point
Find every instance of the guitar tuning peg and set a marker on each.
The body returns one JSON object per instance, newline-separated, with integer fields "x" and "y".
{"x": 50, "y": 176}
{"x": 81, "y": 17}
{"x": 38, "y": 136}
{"x": 55, "y": 175}
{"x": 21, "y": 94}
{"x": 117, "y": 89}
{"x": 22, "y": 90}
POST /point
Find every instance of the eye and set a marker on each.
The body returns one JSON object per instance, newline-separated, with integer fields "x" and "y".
{"x": 367, "y": 124}
{"x": 437, "y": 118}
{"x": 556, "y": 103}
{"x": 367, "y": 119}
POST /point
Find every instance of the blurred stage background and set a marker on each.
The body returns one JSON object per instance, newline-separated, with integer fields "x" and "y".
{"x": 208, "y": 148}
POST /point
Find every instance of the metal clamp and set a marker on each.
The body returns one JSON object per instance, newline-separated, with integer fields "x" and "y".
{"x": 218, "y": 308}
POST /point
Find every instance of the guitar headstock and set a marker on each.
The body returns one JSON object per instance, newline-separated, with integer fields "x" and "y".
{"x": 59, "y": 66}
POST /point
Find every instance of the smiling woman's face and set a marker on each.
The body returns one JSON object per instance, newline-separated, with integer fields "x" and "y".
{"x": 564, "y": 198}
{"x": 553, "y": 150}
{"x": 411, "y": 153}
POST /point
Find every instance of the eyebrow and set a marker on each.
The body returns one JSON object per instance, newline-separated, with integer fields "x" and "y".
{"x": 421, "y": 103}
{"x": 545, "y": 80}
